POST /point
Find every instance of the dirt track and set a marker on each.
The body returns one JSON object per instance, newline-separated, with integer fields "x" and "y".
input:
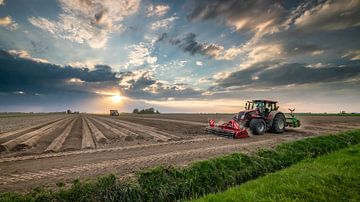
{"x": 63, "y": 148}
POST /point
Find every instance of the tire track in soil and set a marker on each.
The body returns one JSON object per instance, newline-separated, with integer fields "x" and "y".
{"x": 142, "y": 161}
{"x": 113, "y": 149}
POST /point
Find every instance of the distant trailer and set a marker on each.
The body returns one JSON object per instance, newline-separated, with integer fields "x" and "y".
{"x": 114, "y": 113}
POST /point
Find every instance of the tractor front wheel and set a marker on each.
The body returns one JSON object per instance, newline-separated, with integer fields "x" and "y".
{"x": 257, "y": 126}
{"x": 279, "y": 123}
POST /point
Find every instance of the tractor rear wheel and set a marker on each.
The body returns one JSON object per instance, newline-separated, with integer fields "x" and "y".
{"x": 279, "y": 123}
{"x": 257, "y": 126}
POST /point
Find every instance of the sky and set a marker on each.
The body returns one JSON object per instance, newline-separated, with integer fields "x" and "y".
{"x": 179, "y": 56}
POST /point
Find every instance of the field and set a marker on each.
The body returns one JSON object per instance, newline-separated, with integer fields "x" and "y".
{"x": 47, "y": 149}
{"x": 334, "y": 177}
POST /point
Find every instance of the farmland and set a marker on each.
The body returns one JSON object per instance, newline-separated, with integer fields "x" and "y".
{"x": 46, "y": 149}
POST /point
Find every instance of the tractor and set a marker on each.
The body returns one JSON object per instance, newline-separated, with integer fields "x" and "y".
{"x": 259, "y": 116}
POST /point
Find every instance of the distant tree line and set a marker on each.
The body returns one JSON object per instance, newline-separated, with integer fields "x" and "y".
{"x": 146, "y": 111}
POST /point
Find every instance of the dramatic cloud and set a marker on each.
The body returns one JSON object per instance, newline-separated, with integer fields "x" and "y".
{"x": 8, "y": 22}
{"x": 189, "y": 44}
{"x": 85, "y": 21}
{"x": 352, "y": 55}
{"x": 331, "y": 15}
{"x": 26, "y": 55}
{"x": 257, "y": 16}
{"x": 2, "y": 2}
{"x": 142, "y": 84}
{"x": 20, "y": 73}
{"x": 29, "y": 76}
{"x": 277, "y": 74}
{"x": 157, "y": 10}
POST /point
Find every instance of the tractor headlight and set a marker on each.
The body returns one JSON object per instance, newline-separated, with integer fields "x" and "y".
{"x": 242, "y": 116}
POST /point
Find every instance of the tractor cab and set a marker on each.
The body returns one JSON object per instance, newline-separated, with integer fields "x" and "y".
{"x": 264, "y": 106}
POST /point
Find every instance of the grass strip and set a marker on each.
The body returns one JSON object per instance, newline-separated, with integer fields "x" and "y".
{"x": 334, "y": 177}
{"x": 198, "y": 179}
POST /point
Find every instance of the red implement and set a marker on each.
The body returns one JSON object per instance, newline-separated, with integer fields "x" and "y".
{"x": 230, "y": 129}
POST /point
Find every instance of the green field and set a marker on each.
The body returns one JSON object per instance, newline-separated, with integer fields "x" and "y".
{"x": 334, "y": 177}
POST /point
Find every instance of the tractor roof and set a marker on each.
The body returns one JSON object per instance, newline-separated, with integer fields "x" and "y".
{"x": 268, "y": 101}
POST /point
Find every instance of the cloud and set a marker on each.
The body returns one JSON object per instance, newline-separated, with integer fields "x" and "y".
{"x": 318, "y": 65}
{"x": 277, "y": 74}
{"x": 157, "y": 10}
{"x": 8, "y": 22}
{"x": 352, "y": 55}
{"x": 85, "y": 21}
{"x": 189, "y": 44}
{"x": 330, "y": 16}
{"x": 21, "y": 73}
{"x": 256, "y": 16}
{"x": 2, "y": 2}
{"x": 142, "y": 84}
{"x": 164, "y": 23}
{"x": 26, "y": 55}
{"x": 140, "y": 54}
{"x": 199, "y": 63}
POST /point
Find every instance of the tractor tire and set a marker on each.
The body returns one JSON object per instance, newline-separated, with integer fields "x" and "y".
{"x": 257, "y": 126}
{"x": 279, "y": 123}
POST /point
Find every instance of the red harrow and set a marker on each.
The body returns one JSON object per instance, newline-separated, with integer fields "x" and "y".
{"x": 230, "y": 129}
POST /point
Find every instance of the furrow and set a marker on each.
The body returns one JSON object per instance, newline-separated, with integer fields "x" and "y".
{"x": 99, "y": 136}
{"x": 56, "y": 144}
{"x": 27, "y": 129}
{"x": 87, "y": 139}
{"x": 148, "y": 129}
{"x": 9, "y": 145}
{"x": 114, "y": 130}
{"x": 29, "y": 143}
{"x": 137, "y": 129}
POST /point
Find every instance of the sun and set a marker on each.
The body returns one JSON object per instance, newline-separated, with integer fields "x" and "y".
{"x": 116, "y": 98}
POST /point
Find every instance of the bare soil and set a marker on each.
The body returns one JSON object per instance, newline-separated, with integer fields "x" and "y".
{"x": 133, "y": 143}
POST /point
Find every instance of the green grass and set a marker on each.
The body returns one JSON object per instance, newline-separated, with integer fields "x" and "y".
{"x": 327, "y": 114}
{"x": 334, "y": 177}
{"x": 198, "y": 179}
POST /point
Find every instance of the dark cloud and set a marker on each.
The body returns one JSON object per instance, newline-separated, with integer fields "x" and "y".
{"x": 37, "y": 78}
{"x": 270, "y": 75}
{"x": 190, "y": 45}
{"x": 142, "y": 84}
{"x": 27, "y": 75}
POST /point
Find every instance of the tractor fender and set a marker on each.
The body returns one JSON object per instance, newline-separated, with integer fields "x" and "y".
{"x": 271, "y": 117}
